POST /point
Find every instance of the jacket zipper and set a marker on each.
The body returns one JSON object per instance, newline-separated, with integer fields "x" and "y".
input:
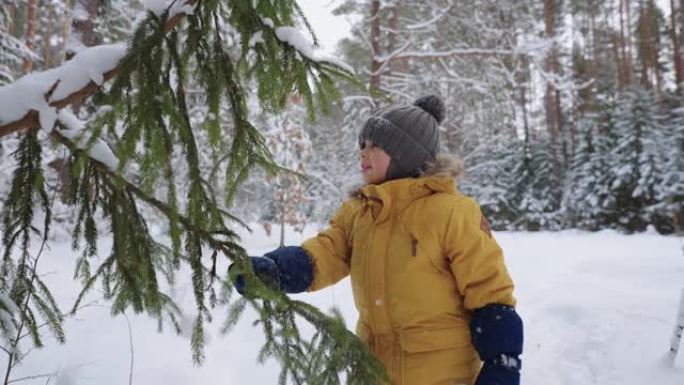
{"x": 369, "y": 293}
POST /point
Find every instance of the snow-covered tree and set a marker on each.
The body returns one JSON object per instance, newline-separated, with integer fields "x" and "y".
{"x": 670, "y": 192}
{"x": 12, "y": 50}
{"x": 8, "y": 312}
{"x": 490, "y": 178}
{"x": 635, "y": 160}
{"x": 588, "y": 201}
{"x": 333, "y": 171}
{"x": 287, "y": 138}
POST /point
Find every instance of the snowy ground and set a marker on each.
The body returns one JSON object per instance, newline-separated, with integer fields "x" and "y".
{"x": 598, "y": 309}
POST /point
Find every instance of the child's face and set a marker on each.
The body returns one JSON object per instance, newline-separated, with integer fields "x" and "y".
{"x": 374, "y": 163}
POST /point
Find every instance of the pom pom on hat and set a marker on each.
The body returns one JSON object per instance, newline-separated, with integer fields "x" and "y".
{"x": 433, "y": 105}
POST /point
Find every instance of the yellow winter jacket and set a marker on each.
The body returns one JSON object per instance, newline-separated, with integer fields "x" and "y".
{"x": 421, "y": 258}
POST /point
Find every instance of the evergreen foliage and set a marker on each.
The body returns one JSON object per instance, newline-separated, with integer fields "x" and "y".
{"x": 332, "y": 350}
{"x": 635, "y": 158}
{"x": 145, "y": 115}
{"x": 588, "y": 202}
{"x": 489, "y": 177}
{"x": 619, "y": 174}
{"x": 670, "y": 193}
{"x": 12, "y": 50}
{"x": 20, "y": 224}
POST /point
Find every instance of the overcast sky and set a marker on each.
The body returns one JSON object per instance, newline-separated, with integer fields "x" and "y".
{"x": 328, "y": 28}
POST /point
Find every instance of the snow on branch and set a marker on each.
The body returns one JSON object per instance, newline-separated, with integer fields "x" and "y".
{"x": 435, "y": 19}
{"x": 175, "y": 7}
{"x": 296, "y": 39}
{"x": 453, "y": 52}
{"x": 536, "y": 48}
{"x": 34, "y": 99}
{"x": 8, "y": 309}
{"x": 38, "y": 91}
{"x": 76, "y": 132}
{"x": 561, "y": 83}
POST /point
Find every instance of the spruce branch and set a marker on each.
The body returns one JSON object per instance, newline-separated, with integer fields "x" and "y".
{"x": 102, "y": 170}
{"x": 32, "y": 119}
{"x": 33, "y": 377}
{"x": 28, "y": 182}
{"x": 150, "y": 90}
{"x": 332, "y": 350}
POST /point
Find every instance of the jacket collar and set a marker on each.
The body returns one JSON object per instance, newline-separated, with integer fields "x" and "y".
{"x": 396, "y": 195}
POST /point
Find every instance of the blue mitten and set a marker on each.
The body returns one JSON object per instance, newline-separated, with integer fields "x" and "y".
{"x": 288, "y": 268}
{"x": 494, "y": 374}
{"x": 264, "y": 268}
{"x": 497, "y": 334}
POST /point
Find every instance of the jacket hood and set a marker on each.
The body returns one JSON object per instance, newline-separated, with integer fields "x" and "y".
{"x": 445, "y": 166}
{"x": 439, "y": 176}
{"x": 395, "y": 195}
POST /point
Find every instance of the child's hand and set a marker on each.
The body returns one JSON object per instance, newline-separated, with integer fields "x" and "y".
{"x": 497, "y": 334}
{"x": 288, "y": 269}
{"x": 264, "y": 268}
{"x": 497, "y": 373}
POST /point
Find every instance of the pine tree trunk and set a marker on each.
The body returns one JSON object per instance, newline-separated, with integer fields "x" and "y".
{"x": 596, "y": 60}
{"x": 644, "y": 30}
{"x": 523, "y": 105}
{"x": 619, "y": 63}
{"x": 594, "y": 35}
{"x": 625, "y": 43}
{"x": 66, "y": 29}
{"x": 47, "y": 49}
{"x": 675, "y": 44}
{"x": 648, "y": 47}
{"x": 681, "y": 33}
{"x": 31, "y": 20}
{"x": 552, "y": 98}
{"x": 375, "y": 44}
{"x": 630, "y": 46}
{"x": 623, "y": 53}
{"x": 85, "y": 29}
{"x": 393, "y": 22}
{"x": 10, "y": 19}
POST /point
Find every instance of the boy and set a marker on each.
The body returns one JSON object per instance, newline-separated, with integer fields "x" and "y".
{"x": 434, "y": 297}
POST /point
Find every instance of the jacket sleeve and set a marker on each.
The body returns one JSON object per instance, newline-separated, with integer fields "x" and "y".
{"x": 475, "y": 258}
{"x": 330, "y": 250}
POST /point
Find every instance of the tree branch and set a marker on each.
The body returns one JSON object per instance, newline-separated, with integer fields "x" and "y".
{"x": 154, "y": 202}
{"x": 33, "y": 377}
{"x": 32, "y": 118}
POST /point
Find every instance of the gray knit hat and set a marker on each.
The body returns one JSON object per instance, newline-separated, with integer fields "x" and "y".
{"x": 408, "y": 134}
